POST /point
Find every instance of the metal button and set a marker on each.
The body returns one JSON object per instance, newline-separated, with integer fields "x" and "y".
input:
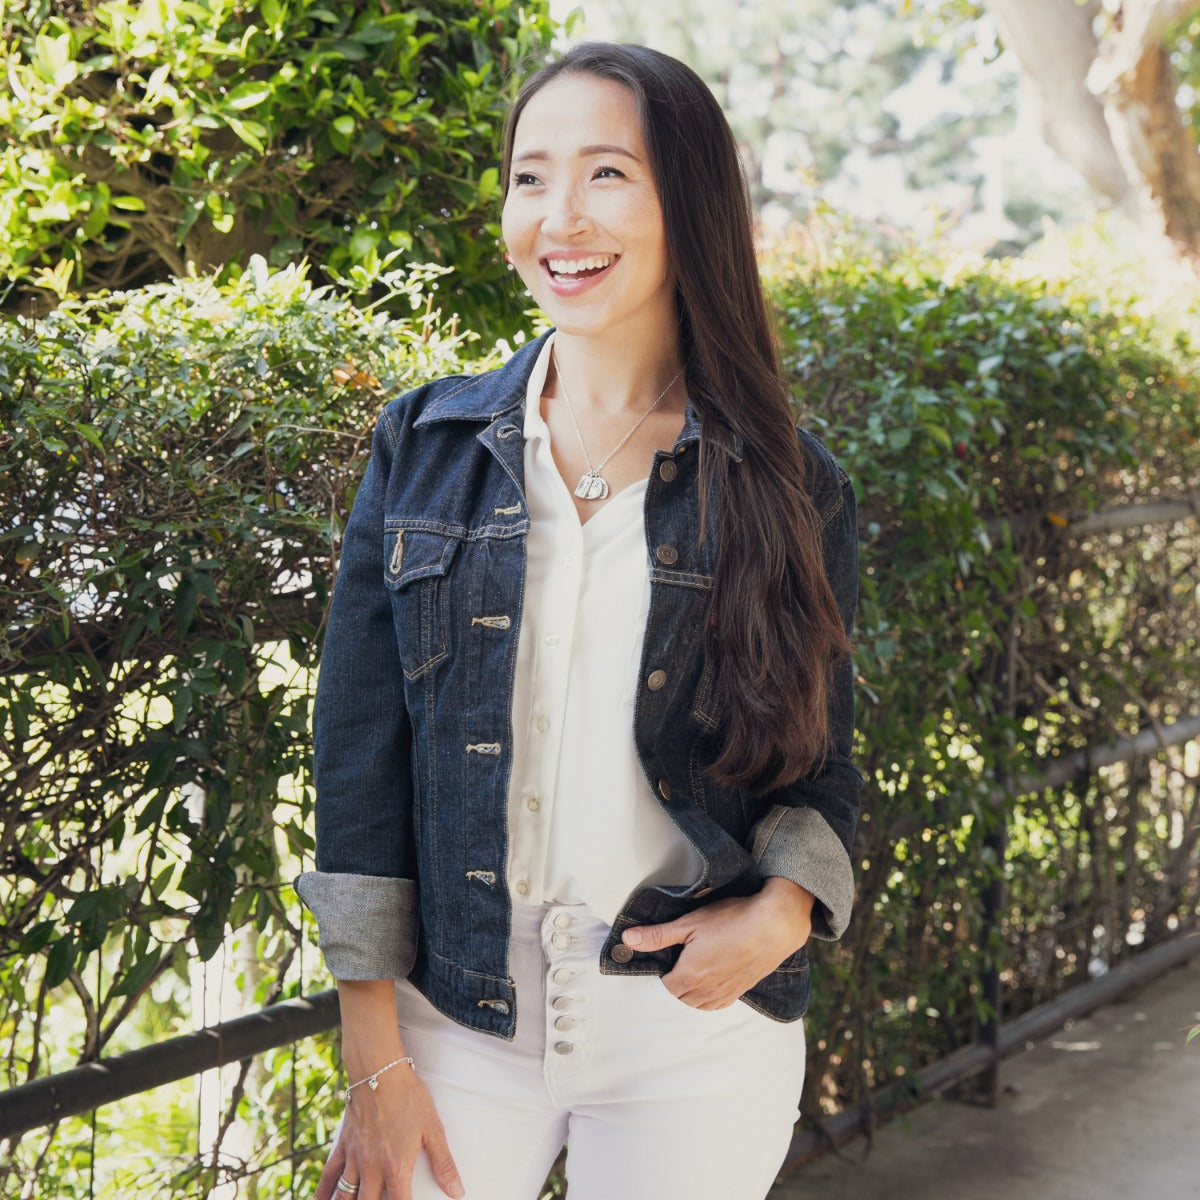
{"x": 703, "y": 892}
{"x": 560, "y": 1002}
{"x": 564, "y": 1047}
{"x": 562, "y": 976}
{"x": 667, "y": 471}
{"x": 562, "y": 1024}
{"x": 561, "y": 940}
{"x": 562, "y": 921}
{"x": 656, "y": 679}
{"x": 664, "y": 789}
{"x": 541, "y": 723}
{"x": 667, "y": 554}
{"x": 533, "y": 804}
{"x": 522, "y": 887}
{"x": 621, "y": 953}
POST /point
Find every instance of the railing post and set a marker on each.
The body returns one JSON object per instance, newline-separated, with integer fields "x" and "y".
{"x": 994, "y": 895}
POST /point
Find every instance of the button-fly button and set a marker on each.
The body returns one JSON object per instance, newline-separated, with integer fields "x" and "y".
{"x": 560, "y": 1002}
{"x": 655, "y": 680}
{"x": 562, "y": 1024}
{"x": 562, "y": 921}
{"x": 564, "y": 1047}
{"x": 562, "y": 977}
{"x": 668, "y": 555}
{"x": 621, "y": 953}
{"x": 667, "y": 471}
{"x": 561, "y": 940}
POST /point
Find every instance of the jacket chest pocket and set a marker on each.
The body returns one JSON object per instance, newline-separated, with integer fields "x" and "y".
{"x": 416, "y": 566}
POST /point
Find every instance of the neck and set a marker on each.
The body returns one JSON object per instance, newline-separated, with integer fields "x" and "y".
{"x": 618, "y": 380}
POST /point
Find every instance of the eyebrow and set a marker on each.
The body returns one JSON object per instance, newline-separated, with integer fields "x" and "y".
{"x": 584, "y": 152}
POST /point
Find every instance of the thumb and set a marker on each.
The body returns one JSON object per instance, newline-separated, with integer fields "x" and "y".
{"x": 655, "y": 937}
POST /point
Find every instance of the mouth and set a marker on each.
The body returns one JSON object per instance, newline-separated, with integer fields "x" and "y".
{"x": 586, "y": 267}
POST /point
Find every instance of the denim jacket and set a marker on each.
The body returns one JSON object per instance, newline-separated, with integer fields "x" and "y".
{"x": 413, "y": 728}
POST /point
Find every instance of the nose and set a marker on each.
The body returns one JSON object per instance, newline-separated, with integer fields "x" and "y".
{"x": 566, "y": 215}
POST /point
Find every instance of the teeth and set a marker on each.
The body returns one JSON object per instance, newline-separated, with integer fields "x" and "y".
{"x": 572, "y": 266}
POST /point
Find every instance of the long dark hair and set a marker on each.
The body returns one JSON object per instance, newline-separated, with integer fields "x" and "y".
{"x": 776, "y": 630}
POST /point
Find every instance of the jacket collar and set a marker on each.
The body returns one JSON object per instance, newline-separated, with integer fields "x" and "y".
{"x": 488, "y": 396}
{"x": 494, "y": 393}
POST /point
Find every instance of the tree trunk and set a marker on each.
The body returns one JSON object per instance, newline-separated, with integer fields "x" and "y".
{"x": 1136, "y": 82}
{"x": 1056, "y": 47}
{"x": 1108, "y": 103}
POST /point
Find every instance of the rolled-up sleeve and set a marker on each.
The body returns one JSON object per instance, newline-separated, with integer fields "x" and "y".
{"x": 363, "y": 892}
{"x": 808, "y": 829}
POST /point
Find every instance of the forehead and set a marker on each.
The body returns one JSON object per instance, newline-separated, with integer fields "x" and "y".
{"x": 578, "y": 110}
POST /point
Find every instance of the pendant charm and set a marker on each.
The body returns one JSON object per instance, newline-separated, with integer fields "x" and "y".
{"x": 592, "y": 487}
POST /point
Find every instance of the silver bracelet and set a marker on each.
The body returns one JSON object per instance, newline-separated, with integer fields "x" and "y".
{"x": 372, "y": 1081}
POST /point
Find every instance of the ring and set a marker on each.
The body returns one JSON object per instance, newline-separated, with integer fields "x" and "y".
{"x": 344, "y": 1185}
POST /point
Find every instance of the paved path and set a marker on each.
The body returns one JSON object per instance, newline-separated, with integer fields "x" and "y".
{"x": 1106, "y": 1109}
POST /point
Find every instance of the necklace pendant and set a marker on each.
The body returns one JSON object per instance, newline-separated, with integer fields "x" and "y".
{"x": 592, "y": 486}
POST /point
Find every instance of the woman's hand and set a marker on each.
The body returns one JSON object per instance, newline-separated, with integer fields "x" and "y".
{"x": 730, "y": 945}
{"x": 382, "y": 1136}
{"x": 387, "y": 1128}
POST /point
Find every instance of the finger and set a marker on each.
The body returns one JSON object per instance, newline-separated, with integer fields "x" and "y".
{"x": 655, "y": 937}
{"x": 442, "y": 1163}
{"x": 331, "y": 1174}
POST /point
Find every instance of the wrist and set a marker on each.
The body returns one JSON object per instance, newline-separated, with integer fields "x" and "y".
{"x": 790, "y": 904}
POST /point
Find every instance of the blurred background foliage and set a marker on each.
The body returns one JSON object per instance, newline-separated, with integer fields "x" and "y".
{"x": 215, "y": 218}
{"x": 139, "y": 137}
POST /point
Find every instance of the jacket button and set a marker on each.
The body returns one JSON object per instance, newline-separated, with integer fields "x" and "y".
{"x": 621, "y": 953}
{"x": 702, "y": 893}
{"x": 562, "y": 1024}
{"x": 563, "y": 976}
{"x": 655, "y": 680}
{"x": 667, "y": 555}
{"x": 667, "y": 471}
{"x": 564, "y": 1047}
{"x": 664, "y": 789}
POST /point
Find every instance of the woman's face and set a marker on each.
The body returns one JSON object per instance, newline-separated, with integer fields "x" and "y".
{"x": 582, "y": 219}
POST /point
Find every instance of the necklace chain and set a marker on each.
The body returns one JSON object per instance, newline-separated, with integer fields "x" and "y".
{"x": 592, "y": 485}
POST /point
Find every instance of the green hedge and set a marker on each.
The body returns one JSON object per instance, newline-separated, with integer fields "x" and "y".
{"x": 138, "y": 136}
{"x": 980, "y": 411}
{"x": 176, "y": 462}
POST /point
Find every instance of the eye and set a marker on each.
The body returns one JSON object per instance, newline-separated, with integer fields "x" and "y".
{"x": 608, "y": 172}
{"x": 524, "y": 179}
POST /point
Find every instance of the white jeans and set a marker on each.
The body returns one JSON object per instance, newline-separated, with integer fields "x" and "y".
{"x": 656, "y": 1100}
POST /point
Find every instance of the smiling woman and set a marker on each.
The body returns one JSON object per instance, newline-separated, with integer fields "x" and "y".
{"x": 582, "y": 756}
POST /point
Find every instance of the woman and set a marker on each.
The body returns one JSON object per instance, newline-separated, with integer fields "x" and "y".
{"x": 584, "y": 717}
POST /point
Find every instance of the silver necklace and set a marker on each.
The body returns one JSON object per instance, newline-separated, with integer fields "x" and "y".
{"x": 592, "y": 485}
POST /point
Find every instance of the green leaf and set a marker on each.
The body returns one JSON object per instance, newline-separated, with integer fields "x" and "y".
{"x": 249, "y": 95}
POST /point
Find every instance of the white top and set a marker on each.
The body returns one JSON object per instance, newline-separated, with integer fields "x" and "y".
{"x": 583, "y": 823}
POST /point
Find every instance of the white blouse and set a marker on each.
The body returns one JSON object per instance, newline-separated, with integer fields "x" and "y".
{"x": 583, "y": 823}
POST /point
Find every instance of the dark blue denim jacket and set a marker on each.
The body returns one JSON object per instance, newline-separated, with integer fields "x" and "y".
{"x": 413, "y": 732}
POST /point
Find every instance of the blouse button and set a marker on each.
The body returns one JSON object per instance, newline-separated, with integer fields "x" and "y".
{"x": 667, "y": 471}
{"x": 522, "y": 887}
{"x": 533, "y": 804}
{"x": 667, "y": 555}
{"x": 655, "y": 680}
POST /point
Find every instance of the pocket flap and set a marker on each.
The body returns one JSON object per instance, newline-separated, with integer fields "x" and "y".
{"x": 412, "y": 554}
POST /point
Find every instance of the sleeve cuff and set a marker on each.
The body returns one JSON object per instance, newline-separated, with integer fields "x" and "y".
{"x": 367, "y": 923}
{"x": 799, "y": 844}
